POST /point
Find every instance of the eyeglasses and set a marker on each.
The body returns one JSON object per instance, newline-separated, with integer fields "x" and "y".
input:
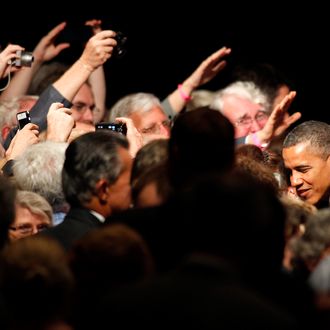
{"x": 27, "y": 228}
{"x": 247, "y": 121}
{"x": 156, "y": 127}
{"x": 82, "y": 107}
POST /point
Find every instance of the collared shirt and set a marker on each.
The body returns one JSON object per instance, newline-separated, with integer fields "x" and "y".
{"x": 99, "y": 216}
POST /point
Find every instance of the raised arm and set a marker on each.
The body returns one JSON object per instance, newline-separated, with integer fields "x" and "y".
{"x": 97, "y": 79}
{"x": 97, "y": 51}
{"x": 45, "y": 50}
{"x": 205, "y": 72}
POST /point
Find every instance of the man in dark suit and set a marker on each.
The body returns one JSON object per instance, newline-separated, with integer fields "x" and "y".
{"x": 96, "y": 183}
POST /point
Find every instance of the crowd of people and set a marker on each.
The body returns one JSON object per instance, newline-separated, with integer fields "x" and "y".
{"x": 211, "y": 210}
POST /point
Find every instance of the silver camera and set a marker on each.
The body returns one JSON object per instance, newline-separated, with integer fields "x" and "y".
{"x": 24, "y": 58}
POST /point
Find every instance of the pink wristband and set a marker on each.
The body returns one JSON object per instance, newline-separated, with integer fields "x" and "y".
{"x": 184, "y": 96}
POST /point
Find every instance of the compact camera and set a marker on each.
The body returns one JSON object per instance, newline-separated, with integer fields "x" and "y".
{"x": 120, "y": 50}
{"x": 23, "y": 118}
{"x": 116, "y": 127}
{"x": 24, "y": 58}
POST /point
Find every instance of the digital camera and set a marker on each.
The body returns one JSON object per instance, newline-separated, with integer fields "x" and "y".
{"x": 23, "y": 118}
{"x": 116, "y": 127}
{"x": 120, "y": 50}
{"x": 24, "y": 58}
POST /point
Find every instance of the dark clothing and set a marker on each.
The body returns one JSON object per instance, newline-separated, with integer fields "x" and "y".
{"x": 76, "y": 224}
{"x": 40, "y": 109}
{"x": 203, "y": 293}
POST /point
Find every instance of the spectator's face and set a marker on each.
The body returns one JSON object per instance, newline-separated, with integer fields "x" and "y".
{"x": 247, "y": 117}
{"x": 152, "y": 124}
{"x": 27, "y": 223}
{"x": 309, "y": 172}
{"x": 83, "y": 106}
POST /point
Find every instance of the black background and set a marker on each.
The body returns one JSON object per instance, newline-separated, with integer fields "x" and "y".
{"x": 166, "y": 41}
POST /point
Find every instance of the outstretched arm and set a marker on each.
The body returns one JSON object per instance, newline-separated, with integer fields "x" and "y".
{"x": 44, "y": 51}
{"x": 97, "y": 79}
{"x": 205, "y": 72}
{"x": 97, "y": 51}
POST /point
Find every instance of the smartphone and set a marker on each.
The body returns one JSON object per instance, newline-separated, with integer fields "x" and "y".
{"x": 23, "y": 118}
{"x": 116, "y": 127}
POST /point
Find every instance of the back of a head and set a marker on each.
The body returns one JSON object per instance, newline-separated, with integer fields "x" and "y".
{"x": 39, "y": 169}
{"x": 201, "y": 141}
{"x": 236, "y": 217}
{"x": 138, "y": 102}
{"x": 258, "y": 170}
{"x": 116, "y": 254}
{"x": 88, "y": 158}
{"x": 36, "y": 282}
{"x": 316, "y": 133}
{"x": 151, "y": 154}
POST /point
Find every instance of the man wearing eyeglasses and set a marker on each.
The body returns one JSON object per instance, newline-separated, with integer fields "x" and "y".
{"x": 244, "y": 105}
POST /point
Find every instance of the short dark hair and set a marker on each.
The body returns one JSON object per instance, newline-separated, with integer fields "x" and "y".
{"x": 201, "y": 141}
{"x": 316, "y": 133}
{"x": 87, "y": 159}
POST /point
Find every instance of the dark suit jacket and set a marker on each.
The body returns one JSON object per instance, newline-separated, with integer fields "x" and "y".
{"x": 76, "y": 224}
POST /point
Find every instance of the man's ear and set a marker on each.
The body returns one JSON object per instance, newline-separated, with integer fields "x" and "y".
{"x": 102, "y": 190}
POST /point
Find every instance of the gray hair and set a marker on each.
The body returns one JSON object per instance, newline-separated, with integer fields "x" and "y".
{"x": 39, "y": 169}
{"x": 316, "y": 133}
{"x": 243, "y": 89}
{"x": 35, "y": 203}
{"x": 138, "y": 102}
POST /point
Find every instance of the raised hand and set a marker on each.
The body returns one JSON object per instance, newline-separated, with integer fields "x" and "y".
{"x": 46, "y": 49}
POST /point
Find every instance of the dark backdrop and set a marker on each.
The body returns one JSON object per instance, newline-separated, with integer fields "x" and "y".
{"x": 166, "y": 42}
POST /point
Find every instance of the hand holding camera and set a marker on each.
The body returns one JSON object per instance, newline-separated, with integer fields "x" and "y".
{"x": 115, "y": 127}
{"x": 23, "y": 58}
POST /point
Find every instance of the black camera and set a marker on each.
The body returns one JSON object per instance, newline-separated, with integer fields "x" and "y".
{"x": 24, "y": 58}
{"x": 116, "y": 127}
{"x": 120, "y": 50}
{"x": 23, "y": 118}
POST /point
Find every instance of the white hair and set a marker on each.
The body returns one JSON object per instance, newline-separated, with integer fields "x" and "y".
{"x": 243, "y": 89}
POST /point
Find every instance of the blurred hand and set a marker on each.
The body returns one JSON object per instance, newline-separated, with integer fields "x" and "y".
{"x": 59, "y": 123}
{"x": 46, "y": 49}
{"x": 6, "y": 57}
{"x": 22, "y": 140}
{"x": 134, "y": 137}
{"x": 98, "y": 49}
{"x": 208, "y": 69}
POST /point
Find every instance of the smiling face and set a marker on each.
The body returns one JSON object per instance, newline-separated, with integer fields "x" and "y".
{"x": 246, "y": 116}
{"x": 309, "y": 172}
